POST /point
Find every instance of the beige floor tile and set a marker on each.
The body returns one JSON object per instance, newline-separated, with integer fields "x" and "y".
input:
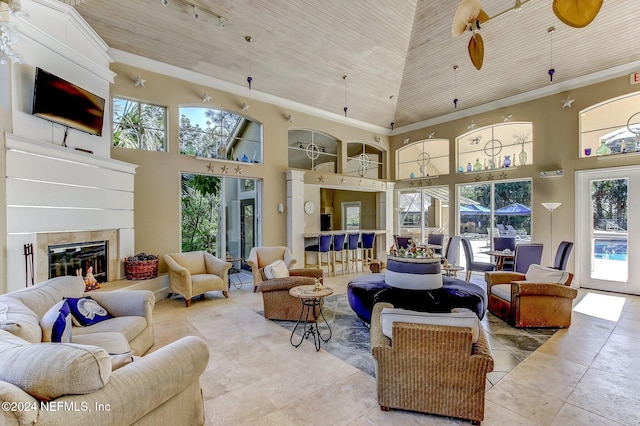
{"x": 570, "y": 415}
{"x": 619, "y": 356}
{"x": 536, "y": 405}
{"x": 243, "y": 405}
{"x": 495, "y": 414}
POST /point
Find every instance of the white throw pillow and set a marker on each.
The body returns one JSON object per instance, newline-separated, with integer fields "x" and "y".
{"x": 277, "y": 269}
{"x": 50, "y": 370}
{"x": 543, "y": 275}
{"x": 460, "y": 318}
{"x": 56, "y": 323}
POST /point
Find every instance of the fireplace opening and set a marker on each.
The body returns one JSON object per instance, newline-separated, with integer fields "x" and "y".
{"x": 76, "y": 258}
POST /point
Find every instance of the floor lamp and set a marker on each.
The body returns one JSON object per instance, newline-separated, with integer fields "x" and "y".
{"x": 551, "y": 207}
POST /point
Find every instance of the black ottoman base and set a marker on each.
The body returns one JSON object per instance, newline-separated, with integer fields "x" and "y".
{"x": 365, "y": 291}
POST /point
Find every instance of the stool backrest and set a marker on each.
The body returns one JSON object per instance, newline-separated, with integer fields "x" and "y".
{"x": 352, "y": 241}
{"x": 368, "y": 238}
{"x": 324, "y": 243}
{"x": 338, "y": 242}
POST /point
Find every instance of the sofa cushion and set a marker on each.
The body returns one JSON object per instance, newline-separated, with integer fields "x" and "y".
{"x": 277, "y": 269}
{"x": 112, "y": 342}
{"x": 50, "y": 370}
{"x": 460, "y": 318}
{"x": 130, "y": 327}
{"x": 503, "y": 291}
{"x": 413, "y": 276}
{"x": 42, "y": 296}
{"x": 544, "y": 275}
{"x": 18, "y": 319}
{"x": 56, "y": 323}
{"x": 87, "y": 311}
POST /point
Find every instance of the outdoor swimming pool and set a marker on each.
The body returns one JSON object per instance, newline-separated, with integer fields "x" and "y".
{"x": 612, "y": 249}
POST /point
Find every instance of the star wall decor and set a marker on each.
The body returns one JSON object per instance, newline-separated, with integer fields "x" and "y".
{"x": 245, "y": 107}
{"x": 490, "y": 176}
{"x": 472, "y": 125}
{"x": 566, "y": 103}
{"x": 210, "y": 167}
{"x": 477, "y": 178}
{"x": 343, "y": 181}
{"x": 238, "y": 170}
{"x": 406, "y": 140}
{"x": 503, "y": 175}
{"x": 411, "y": 184}
{"x": 206, "y": 98}
{"x": 138, "y": 81}
{"x": 506, "y": 117}
{"x": 360, "y": 183}
{"x": 431, "y": 135}
{"x": 321, "y": 179}
{"x": 225, "y": 169}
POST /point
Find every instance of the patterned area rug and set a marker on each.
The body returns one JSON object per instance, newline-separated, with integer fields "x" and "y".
{"x": 350, "y": 337}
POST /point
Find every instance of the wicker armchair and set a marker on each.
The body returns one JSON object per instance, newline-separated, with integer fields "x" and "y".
{"x": 278, "y": 303}
{"x": 431, "y": 368}
{"x": 523, "y": 303}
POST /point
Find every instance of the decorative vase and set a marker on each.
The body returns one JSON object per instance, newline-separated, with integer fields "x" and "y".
{"x": 603, "y": 149}
{"x": 477, "y": 166}
{"x": 522, "y": 157}
{"x": 469, "y": 168}
{"x": 507, "y": 161}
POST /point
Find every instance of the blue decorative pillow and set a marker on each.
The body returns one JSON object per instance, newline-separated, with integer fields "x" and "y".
{"x": 56, "y": 323}
{"x": 87, "y": 311}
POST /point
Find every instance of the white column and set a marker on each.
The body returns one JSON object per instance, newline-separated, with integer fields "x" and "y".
{"x": 295, "y": 215}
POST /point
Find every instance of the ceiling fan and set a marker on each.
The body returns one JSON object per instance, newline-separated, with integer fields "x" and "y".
{"x": 468, "y": 17}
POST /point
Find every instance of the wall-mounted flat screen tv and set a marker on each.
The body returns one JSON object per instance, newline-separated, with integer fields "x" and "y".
{"x": 57, "y": 100}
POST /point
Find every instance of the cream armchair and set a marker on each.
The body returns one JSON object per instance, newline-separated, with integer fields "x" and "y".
{"x": 259, "y": 257}
{"x": 196, "y": 272}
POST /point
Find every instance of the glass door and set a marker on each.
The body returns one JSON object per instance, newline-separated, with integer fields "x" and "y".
{"x": 605, "y": 240}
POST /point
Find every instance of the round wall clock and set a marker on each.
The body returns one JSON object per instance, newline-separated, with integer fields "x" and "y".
{"x": 309, "y": 207}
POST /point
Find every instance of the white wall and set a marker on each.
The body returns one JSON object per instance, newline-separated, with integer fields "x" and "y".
{"x": 50, "y": 188}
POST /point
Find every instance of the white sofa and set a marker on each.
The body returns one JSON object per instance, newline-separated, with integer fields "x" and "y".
{"x": 21, "y": 312}
{"x": 43, "y": 383}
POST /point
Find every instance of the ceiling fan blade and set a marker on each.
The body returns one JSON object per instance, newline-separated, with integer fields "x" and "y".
{"x": 476, "y": 50}
{"x": 468, "y": 11}
{"x": 576, "y": 13}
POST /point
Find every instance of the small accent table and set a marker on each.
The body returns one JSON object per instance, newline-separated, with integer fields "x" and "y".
{"x": 235, "y": 271}
{"x": 310, "y": 298}
{"x": 501, "y": 256}
{"x": 451, "y": 270}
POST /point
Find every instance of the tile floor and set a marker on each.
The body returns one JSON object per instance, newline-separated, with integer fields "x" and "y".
{"x": 586, "y": 374}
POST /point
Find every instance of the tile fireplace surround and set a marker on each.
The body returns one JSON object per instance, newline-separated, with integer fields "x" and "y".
{"x": 44, "y": 240}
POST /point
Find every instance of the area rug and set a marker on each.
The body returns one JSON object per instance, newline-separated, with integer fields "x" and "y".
{"x": 350, "y": 337}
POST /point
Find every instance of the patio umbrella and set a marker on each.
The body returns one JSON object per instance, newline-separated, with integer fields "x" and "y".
{"x": 473, "y": 209}
{"x": 515, "y": 209}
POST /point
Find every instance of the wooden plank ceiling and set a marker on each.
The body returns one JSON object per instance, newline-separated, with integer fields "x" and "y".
{"x": 398, "y": 54}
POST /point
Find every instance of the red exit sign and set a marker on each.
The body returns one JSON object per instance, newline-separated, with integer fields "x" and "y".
{"x": 635, "y": 77}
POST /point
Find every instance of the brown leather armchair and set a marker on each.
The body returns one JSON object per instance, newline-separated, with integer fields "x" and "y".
{"x": 435, "y": 369}
{"x": 531, "y": 303}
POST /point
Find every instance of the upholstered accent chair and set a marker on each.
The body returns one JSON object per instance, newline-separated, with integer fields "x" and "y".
{"x": 259, "y": 257}
{"x": 527, "y": 255}
{"x": 278, "y": 303}
{"x": 540, "y": 298}
{"x": 430, "y": 368}
{"x": 195, "y": 273}
{"x": 472, "y": 265}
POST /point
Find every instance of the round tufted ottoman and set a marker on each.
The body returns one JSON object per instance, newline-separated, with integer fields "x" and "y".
{"x": 366, "y": 290}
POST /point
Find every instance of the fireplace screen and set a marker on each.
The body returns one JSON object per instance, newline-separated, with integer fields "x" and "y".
{"x": 76, "y": 258}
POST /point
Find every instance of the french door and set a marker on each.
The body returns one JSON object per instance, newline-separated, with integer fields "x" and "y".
{"x": 607, "y": 243}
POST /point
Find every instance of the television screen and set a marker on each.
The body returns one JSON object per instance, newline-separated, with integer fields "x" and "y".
{"x": 57, "y": 100}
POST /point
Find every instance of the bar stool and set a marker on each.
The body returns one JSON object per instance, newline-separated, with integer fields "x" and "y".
{"x": 323, "y": 247}
{"x": 352, "y": 250}
{"x": 338, "y": 247}
{"x": 368, "y": 241}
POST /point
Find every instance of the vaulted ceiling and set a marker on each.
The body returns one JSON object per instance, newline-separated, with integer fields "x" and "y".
{"x": 398, "y": 54}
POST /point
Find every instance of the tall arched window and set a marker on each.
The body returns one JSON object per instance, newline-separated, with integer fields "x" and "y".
{"x": 429, "y": 157}
{"x": 364, "y": 160}
{"x": 611, "y": 127}
{"x": 496, "y": 146}
{"x": 313, "y": 150}
{"x": 214, "y": 133}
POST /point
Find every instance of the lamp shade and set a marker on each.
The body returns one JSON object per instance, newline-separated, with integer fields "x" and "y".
{"x": 551, "y": 206}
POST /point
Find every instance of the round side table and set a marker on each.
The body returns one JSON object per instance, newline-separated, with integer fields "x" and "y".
{"x": 310, "y": 298}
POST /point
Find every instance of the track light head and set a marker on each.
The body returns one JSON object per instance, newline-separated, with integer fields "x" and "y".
{"x": 195, "y": 15}
{"x": 165, "y": 2}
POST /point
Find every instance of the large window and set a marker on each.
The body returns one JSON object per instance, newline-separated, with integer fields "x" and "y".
{"x": 311, "y": 150}
{"x": 138, "y": 125}
{"x": 213, "y": 133}
{"x": 425, "y": 158}
{"x": 220, "y": 215}
{"x": 364, "y": 160}
{"x": 497, "y": 146}
{"x": 611, "y": 127}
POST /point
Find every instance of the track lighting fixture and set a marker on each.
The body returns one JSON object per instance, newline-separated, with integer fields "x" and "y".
{"x": 198, "y": 11}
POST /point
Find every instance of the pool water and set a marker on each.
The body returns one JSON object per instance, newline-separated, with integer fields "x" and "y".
{"x": 610, "y": 249}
